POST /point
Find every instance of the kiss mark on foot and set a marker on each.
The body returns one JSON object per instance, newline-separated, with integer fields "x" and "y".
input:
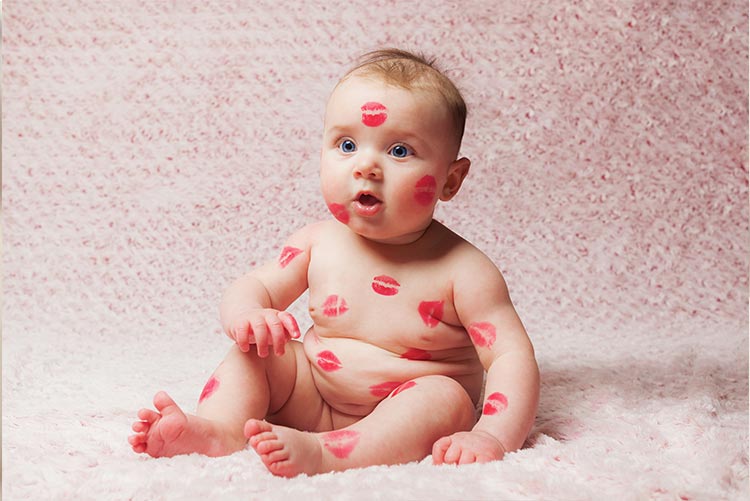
{"x": 211, "y": 386}
{"x": 384, "y": 389}
{"x": 385, "y": 285}
{"x": 482, "y": 334}
{"x": 339, "y": 212}
{"x": 287, "y": 254}
{"x": 497, "y": 402}
{"x": 416, "y": 354}
{"x": 431, "y": 312}
{"x": 405, "y": 386}
{"x": 341, "y": 443}
{"x": 373, "y": 114}
{"x": 334, "y": 306}
{"x": 425, "y": 190}
{"x": 327, "y": 361}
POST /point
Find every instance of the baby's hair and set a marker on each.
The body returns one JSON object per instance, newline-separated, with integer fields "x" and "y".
{"x": 413, "y": 71}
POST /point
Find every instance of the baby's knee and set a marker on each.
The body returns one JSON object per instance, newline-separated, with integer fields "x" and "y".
{"x": 451, "y": 396}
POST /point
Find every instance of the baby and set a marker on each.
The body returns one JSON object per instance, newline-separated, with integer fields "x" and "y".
{"x": 406, "y": 314}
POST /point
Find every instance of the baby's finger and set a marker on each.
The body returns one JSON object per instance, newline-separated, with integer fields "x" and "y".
{"x": 467, "y": 457}
{"x": 290, "y": 324}
{"x": 260, "y": 333}
{"x": 452, "y": 454}
{"x": 278, "y": 335}
{"x": 241, "y": 337}
{"x": 438, "y": 450}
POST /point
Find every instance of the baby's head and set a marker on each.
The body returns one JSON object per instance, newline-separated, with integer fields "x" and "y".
{"x": 393, "y": 129}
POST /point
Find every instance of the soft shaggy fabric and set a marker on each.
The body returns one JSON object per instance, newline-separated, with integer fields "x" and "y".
{"x": 154, "y": 151}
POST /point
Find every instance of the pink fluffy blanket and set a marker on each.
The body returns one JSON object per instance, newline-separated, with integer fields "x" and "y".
{"x": 154, "y": 151}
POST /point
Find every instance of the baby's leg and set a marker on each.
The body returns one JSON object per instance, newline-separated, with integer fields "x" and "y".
{"x": 402, "y": 428}
{"x": 244, "y": 386}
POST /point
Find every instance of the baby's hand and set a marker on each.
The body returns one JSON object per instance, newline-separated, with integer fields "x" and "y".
{"x": 263, "y": 327}
{"x": 467, "y": 447}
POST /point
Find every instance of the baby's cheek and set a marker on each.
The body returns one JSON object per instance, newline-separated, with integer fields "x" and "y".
{"x": 425, "y": 190}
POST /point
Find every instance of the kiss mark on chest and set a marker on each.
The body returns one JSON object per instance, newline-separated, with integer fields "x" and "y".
{"x": 431, "y": 312}
{"x": 334, "y": 306}
{"x": 385, "y": 285}
{"x": 327, "y": 361}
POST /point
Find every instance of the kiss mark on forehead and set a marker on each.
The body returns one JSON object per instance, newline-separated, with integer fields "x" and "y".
{"x": 327, "y": 361}
{"x": 334, "y": 306}
{"x": 339, "y": 212}
{"x": 341, "y": 443}
{"x": 287, "y": 254}
{"x": 373, "y": 114}
{"x": 425, "y": 190}
{"x": 431, "y": 312}
{"x": 482, "y": 334}
{"x": 497, "y": 402}
{"x": 385, "y": 285}
{"x": 211, "y": 386}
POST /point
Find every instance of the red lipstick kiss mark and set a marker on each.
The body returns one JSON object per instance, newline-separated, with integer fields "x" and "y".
{"x": 341, "y": 443}
{"x": 385, "y": 285}
{"x": 416, "y": 354}
{"x": 384, "y": 389}
{"x": 497, "y": 402}
{"x": 287, "y": 254}
{"x": 211, "y": 386}
{"x": 425, "y": 190}
{"x": 482, "y": 333}
{"x": 339, "y": 212}
{"x": 373, "y": 114}
{"x": 431, "y": 312}
{"x": 334, "y": 306}
{"x": 327, "y": 361}
{"x": 405, "y": 386}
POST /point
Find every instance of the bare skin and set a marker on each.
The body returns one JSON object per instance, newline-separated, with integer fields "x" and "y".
{"x": 406, "y": 316}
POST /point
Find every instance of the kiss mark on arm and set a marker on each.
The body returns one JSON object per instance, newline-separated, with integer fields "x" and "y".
{"x": 431, "y": 312}
{"x": 341, "y": 443}
{"x": 287, "y": 254}
{"x": 482, "y": 334}
{"x": 327, "y": 361}
{"x": 496, "y": 403}
{"x": 211, "y": 386}
{"x": 334, "y": 306}
{"x": 385, "y": 285}
{"x": 373, "y": 114}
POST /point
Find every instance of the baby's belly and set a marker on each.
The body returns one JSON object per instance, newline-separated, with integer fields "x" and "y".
{"x": 354, "y": 376}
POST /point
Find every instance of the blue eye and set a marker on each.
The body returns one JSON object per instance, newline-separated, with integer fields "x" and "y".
{"x": 400, "y": 151}
{"x": 348, "y": 146}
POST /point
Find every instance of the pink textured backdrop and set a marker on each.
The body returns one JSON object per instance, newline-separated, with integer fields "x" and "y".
{"x": 153, "y": 151}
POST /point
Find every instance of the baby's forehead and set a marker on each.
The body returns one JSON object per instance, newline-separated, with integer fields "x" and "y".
{"x": 354, "y": 88}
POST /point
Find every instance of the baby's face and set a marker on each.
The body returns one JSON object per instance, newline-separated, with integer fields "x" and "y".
{"x": 385, "y": 158}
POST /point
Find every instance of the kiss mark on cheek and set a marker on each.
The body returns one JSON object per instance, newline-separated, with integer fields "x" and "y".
{"x": 385, "y": 285}
{"x": 373, "y": 114}
{"x": 425, "y": 190}
{"x": 334, "y": 306}
{"x": 482, "y": 334}
{"x": 416, "y": 354}
{"x": 496, "y": 403}
{"x": 287, "y": 254}
{"x": 405, "y": 386}
{"x": 431, "y": 312}
{"x": 384, "y": 389}
{"x": 341, "y": 443}
{"x": 211, "y": 386}
{"x": 327, "y": 361}
{"x": 339, "y": 212}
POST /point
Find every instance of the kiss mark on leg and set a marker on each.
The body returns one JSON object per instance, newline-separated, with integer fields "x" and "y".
{"x": 211, "y": 386}
{"x": 497, "y": 402}
{"x": 373, "y": 114}
{"x": 339, "y": 212}
{"x": 287, "y": 254}
{"x": 341, "y": 443}
{"x": 482, "y": 334}
{"x": 431, "y": 312}
{"x": 416, "y": 354}
{"x": 385, "y": 285}
{"x": 327, "y": 361}
{"x": 334, "y": 306}
{"x": 384, "y": 389}
{"x": 425, "y": 190}
{"x": 405, "y": 386}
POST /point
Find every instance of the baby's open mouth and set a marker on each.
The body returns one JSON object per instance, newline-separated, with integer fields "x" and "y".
{"x": 368, "y": 200}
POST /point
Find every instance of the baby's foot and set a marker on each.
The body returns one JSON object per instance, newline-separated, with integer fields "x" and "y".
{"x": 286, "y": 452}
{"x": 170, "y": 432}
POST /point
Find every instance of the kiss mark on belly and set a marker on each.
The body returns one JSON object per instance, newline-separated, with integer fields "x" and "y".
{"x": 431, "y": 312}
{"x": 425, "y": 191}
{"x": 385, "y": 285}
{"x": 334, "y": 306}
{"x": 327, "y": 361}
{"x": 482, "y": 334}
{"x": 384, "y": 389}
{"x": 497, "y": 402}
{"x": 416, "y": 354}
{"x": 287, "y": 254}
{"x": 211, "y": 386}
{"x": 405, "y": 386}
{"x": 339, "y": 212}
{"x": 341, "y": 443}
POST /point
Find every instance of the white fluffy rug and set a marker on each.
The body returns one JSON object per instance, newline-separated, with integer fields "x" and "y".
{"x": 153, "y": 151}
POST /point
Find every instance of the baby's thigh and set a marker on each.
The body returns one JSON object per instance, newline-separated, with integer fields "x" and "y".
{"x": 303, "y": 408}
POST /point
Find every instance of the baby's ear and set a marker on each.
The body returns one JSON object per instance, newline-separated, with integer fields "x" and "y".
{"x": 456, "y": 174}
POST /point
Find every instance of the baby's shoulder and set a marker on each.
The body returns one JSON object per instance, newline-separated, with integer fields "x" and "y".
{"x": 465, "y": 257}
{"x": 308, "y": 235}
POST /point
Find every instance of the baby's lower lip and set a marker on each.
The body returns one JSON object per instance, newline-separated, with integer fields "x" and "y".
{"x": 366, "y": 210}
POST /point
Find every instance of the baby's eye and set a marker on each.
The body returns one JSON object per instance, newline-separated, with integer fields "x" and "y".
{"x": 400, "y": 151}
{"x": 347, "y": 146}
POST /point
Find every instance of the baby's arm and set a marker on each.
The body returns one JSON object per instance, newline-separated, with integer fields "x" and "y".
{"x": 252, "y": 308}
{"x": 512, "y": 388}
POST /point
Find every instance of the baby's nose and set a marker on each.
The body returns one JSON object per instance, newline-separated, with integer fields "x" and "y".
{"x": 368, "y": 168}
